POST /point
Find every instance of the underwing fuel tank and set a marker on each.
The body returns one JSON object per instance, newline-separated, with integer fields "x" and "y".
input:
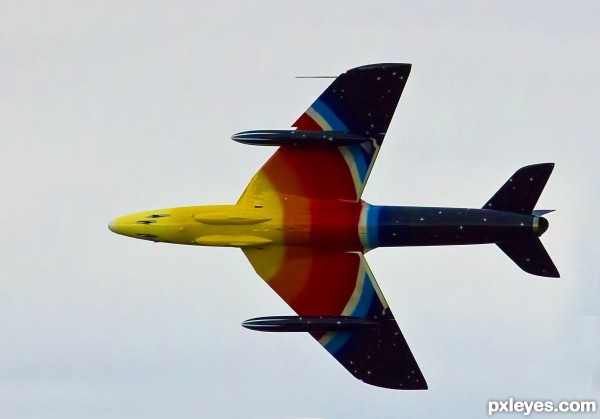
{"x": 308, "y": 323}
{"x": 299, "y": 138}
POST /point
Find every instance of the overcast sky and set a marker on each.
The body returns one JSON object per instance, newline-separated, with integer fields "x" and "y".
{"x": 108, "y": 108}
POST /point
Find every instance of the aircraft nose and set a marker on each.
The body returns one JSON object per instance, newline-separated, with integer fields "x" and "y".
{"x": 123, "y": 226}
{"x": 116, "y": 226}
{"x": 141, "y": 225}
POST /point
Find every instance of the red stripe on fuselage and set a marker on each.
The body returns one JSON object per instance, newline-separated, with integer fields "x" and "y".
{"x": 334, "y": 224}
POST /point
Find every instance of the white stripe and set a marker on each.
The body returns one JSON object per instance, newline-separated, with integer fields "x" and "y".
{"x": 374, "y": 283}
{"x": 358, "y": 186}
{"x": 363, "y": 228}
{"x": 318, "y": 119}
{"x": 358, "y": 289}
{"x": 326, "y": 338}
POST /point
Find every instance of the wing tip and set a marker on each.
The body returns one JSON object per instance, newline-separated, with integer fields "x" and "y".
{"x": 380, "y": 66}
{"x": 412, "y": 385}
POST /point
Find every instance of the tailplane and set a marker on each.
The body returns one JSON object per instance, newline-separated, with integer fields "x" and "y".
{"x": 530, "y": 255}
{"x": 519, "y": 194}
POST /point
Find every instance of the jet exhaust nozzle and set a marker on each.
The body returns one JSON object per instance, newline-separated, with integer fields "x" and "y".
{"x": 540, "y": 225}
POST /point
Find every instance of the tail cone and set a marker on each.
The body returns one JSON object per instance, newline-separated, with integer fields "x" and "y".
{"x": 540, "y": 225}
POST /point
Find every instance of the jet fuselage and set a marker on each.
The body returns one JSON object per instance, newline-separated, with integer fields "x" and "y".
{"x": 340, "y": 225}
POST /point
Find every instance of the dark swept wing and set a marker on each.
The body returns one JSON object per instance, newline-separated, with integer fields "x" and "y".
{"x": 319, "y": 282}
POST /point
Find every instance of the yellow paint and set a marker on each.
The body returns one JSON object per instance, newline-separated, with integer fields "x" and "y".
{"x": 231, "y": 240}
{"x": 257, "y": 220}
{"x": 288, "y": 279}
{"x": 231, "y": 219}
{"x": 266, "y": 260}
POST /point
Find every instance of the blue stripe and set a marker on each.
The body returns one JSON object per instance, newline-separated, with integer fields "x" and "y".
{"x": 339, "y": 339}
{"x": 361, "y": 310}
{"x": 328, "y": 115}
{"x": 358, "y": 155}
{"x": 373, "y": 226}
{"x": 366, "y": 298}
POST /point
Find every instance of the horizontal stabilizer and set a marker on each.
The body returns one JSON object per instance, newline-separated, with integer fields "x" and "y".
{"x": 521, "y": 192}
{"x": 531, "y": 256}
{"x": 539, "y": 213}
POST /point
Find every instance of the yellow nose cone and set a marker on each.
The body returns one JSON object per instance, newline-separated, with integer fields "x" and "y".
{"x": 158, "y": 226}
{"x": 112, "y": 226}
{"x": 127, "y": 226}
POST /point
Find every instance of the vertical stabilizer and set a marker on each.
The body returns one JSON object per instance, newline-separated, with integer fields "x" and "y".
{"x": 521, "y": 192}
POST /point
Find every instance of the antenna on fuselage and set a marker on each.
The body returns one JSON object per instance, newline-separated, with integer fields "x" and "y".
{"x": 315, "y": 77}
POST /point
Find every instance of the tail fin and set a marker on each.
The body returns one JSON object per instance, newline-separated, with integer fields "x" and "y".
{"x": 531, "y": 256}
{"x": 521, "y": 192}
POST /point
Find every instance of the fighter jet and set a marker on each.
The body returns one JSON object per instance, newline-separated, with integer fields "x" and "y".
{"x": 304, "y": 228}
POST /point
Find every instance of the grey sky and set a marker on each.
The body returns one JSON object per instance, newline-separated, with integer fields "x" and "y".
{"x": 109, "y": 108}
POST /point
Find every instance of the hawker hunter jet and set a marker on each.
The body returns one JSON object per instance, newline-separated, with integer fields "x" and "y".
{"x": 304, "y": 228}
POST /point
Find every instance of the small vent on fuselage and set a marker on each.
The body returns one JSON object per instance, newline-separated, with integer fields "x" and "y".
{"x": 159, "y": 215}
{"x": 147, "y": 236}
